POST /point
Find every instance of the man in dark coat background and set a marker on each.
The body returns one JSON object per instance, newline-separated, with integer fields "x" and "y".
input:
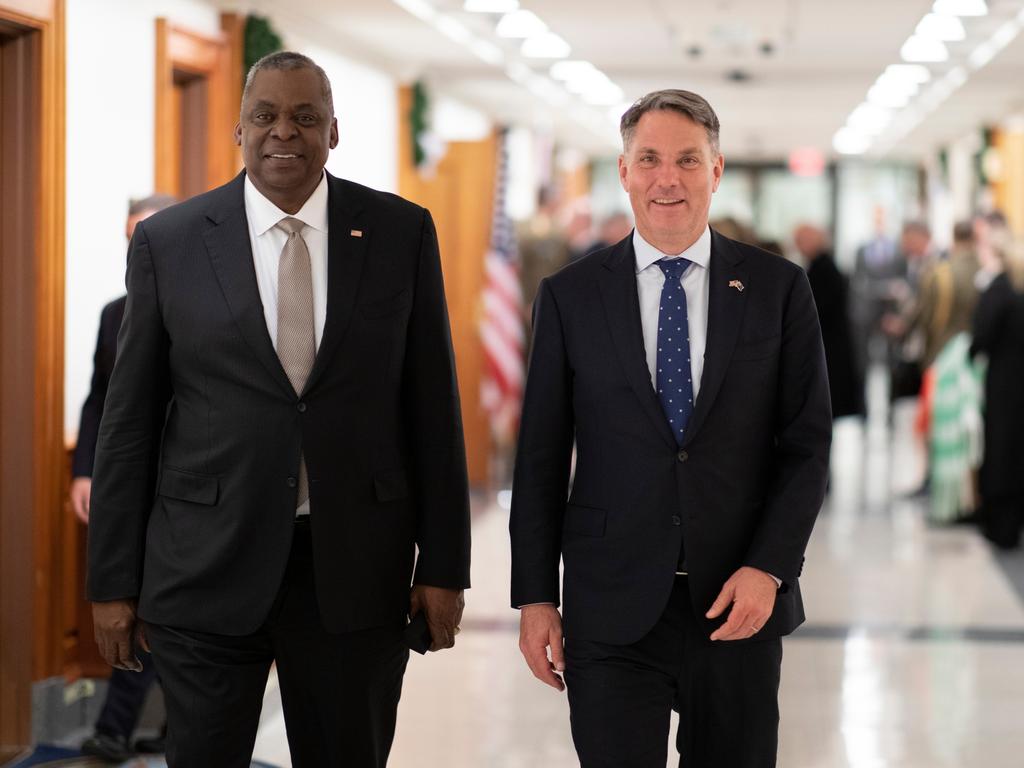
{"x": 832, "y": 299}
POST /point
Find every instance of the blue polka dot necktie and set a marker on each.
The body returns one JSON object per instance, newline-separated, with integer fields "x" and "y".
{"x": 675, "y": 388}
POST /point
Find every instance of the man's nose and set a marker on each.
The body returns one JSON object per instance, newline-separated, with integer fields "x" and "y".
{"x": 283, "y": 128}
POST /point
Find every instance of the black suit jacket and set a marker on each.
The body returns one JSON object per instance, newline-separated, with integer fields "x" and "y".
{"x": 743, "y": 489}
{"x": 194, "y": 495}
{"x": 92, "y": 409}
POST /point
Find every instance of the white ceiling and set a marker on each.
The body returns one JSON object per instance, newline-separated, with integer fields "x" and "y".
{"x": 825, "y": 54}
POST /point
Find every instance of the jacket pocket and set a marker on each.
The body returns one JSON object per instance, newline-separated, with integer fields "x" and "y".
{"x": 391, "y": 485}
{"x": 585, "y": 521}
{"x": 188, "y": 486}
{"x": 387, "y": 306}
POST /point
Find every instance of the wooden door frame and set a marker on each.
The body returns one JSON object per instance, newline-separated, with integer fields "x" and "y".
{"x": 38, "y": 654}
{"x": 218, "y": 58}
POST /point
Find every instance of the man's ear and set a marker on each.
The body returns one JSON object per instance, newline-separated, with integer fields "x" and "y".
{"x": 622, "y": 172}
{"x": 237, "y": 134}
{"x": 334, "y": 132}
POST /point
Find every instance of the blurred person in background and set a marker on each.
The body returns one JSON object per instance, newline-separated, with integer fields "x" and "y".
{"x": 831, "y": 297}
{"x": 688, "y": 369}
{"x": 950, "y": 406}
{"x": 907, "y": 350}
{"x": 999, "y": 337}
{"x": 613, "y": 228}
{"x": 543, "y": 246}
{"x": 878, "y": 273}
{"x": 126, "y": 691}
{"x": 991, "y": 238}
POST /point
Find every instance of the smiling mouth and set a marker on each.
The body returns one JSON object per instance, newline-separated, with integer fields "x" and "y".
{"x": 282, "y": 156}
{"x": 667, "y": 200}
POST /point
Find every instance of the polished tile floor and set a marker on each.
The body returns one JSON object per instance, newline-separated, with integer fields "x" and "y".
{"x": 912, "y": 656}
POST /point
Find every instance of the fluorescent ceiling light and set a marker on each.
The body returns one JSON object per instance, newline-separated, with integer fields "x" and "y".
{"x": 491, "y": 6}
{"x": 982, "y": 55}
{"x": 545, "y": 46}
{"x": 961, "y": 7}
{"x": 520, "y": 24}
{"x": 452, "y": 29}
{"x": 869, "y": 119}
{"x": 850, "y": 142}
{"x": 421, "y": 9}
{"x": 955, "y": 78}
{"x": 518, "y": 71}
{"x": 572, "y": 69}
{"x": 1005, "y": 34}
{"x": 941, "y": 27}
{"x": 890, "y": 98}
{"x": 923, "y": 49}
{"x": 915, "y": 73}
{"x": 488, "y": 52}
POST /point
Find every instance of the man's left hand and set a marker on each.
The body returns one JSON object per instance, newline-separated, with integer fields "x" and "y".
{"x": 444, "y": 612}
{"x": 751, "y": 592}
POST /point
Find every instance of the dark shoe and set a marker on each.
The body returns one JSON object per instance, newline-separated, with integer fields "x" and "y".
{"x": 113, "y": 749}
{"x": 153, "y": 746}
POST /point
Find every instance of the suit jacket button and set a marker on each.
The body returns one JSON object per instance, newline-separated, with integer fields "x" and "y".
{"x": 301, "y": 407}
{"x": 682, "y": 456}
{"x": 676, "y": 520}
{"x": 292, "y": 482}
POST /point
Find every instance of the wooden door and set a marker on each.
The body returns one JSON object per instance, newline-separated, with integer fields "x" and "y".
{"x": 31, "y": 354}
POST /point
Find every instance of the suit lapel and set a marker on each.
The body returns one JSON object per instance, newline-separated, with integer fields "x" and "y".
{"x": 230, "y": 251}
{"x": 726, "y": 304}
{"x": 622, "y": 308}
{"x": 346, "y": 256}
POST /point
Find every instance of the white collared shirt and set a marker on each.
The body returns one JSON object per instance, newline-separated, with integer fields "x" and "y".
{"x": 696, "y": 282}
{"x": 268, "y": 241}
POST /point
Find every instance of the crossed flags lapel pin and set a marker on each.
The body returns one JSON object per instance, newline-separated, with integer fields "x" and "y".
{"x": 737, "y": 285}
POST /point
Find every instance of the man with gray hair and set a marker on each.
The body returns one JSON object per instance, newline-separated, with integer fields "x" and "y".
{"x": 281, "y": 474}
{"x": 688, "y": 369}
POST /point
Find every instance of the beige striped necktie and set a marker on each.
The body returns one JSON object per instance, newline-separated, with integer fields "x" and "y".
{"x": 296, "y": 341}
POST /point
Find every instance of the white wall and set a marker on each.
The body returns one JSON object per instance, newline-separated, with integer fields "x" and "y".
{"x": 110, "y": 111}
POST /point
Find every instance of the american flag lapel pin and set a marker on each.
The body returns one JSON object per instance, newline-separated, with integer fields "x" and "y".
{"x": 356, "y": 233}
{"x": 737, "y": 285}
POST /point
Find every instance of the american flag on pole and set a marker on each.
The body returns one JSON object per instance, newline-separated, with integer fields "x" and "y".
{"x": 501, "y": 325}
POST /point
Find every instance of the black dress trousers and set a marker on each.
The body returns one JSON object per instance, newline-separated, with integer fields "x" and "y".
{"x": 621, "y": 696}
{"x": 339, "y": 692}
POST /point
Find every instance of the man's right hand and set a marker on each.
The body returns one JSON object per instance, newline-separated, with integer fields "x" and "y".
{"x": 81, "y": 487}
{"x": 540, "y": 628}
{"x": 115, "y": 628}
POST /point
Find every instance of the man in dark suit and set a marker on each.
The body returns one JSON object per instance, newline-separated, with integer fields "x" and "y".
{"x": 281, "y": 435}
{"x": 831, "y": 291}
{"x": 126, "y": 691}
{"x": 689, "y": 370}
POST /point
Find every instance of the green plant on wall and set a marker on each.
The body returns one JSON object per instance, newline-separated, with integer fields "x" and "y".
{"x": 418, "y": 121}
{"x": 260, "y": 39}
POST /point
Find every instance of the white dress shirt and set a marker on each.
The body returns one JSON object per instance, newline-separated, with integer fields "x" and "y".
{"x": 268, "y": 241}
{"x": 696, "y": 281}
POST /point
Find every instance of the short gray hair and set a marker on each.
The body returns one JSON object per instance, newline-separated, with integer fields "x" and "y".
{"x": 686, "y": 103}
{"x": 284, "y": 60}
